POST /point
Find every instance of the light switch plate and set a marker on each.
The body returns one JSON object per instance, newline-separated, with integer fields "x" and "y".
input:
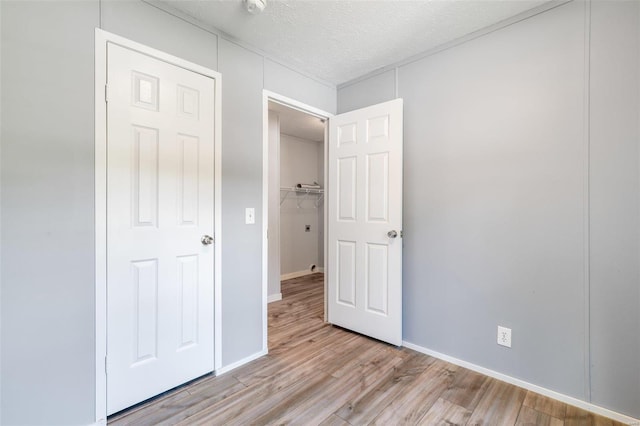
{"x": 250, "y": 216}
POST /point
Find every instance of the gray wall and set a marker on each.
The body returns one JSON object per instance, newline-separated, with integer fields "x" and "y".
{"x": 242, "y": 187}
{"x": 47, "y": 372}
{"x": 614, "y": 211}
{"x": 153, "y": 27}
{"x": 521, "y": 208}
{"x": 47, "y": 167}
{"x": 376, "y": 89}
{"x": 284, "y": 81}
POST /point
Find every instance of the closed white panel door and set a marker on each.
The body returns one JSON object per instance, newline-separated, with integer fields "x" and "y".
{"x": 365, "y": 221}
{"x": 160, "y": 158}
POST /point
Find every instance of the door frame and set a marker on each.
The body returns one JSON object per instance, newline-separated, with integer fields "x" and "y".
{"x": 308, "y": 109}
{"x": 101, "y": 39}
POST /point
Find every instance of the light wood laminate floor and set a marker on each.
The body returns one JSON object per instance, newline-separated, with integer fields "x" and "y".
{"x": 319, "y": 374}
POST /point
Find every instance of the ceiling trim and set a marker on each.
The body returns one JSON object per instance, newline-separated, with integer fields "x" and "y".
{"x": 461, "y": 40}
{"x": 228, "y": 37}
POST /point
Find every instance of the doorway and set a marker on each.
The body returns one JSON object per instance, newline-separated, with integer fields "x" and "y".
{"x": 362, "y": 211}
{"x": 295, "y": 170}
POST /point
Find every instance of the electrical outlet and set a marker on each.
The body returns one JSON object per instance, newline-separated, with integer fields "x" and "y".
{"x": 504, "y": 336}
{"x": 307, "y": 228}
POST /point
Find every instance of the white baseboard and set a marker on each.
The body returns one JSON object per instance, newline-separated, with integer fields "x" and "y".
{"x": 320, "y": 270}
{"x": 526, "y": 385}
{"x": 274, "y": 297}
{"x": 298, "y": 274}
{"x": 227, "y": 368}
{"x": 292, "y": 275}
{"x": 101, "y": 422}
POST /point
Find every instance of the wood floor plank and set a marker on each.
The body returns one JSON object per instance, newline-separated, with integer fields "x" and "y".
{"x": 359, "y": 379}
{"x": 467, "y": 388}
{"x": 411, "y": 406}
{"x": 363, "y": 408}
{"x": 284, "y": 375}
{"x": 187, "y": 407}
{"x": 530, "y": 417}
{"x": 133, "y": 414}
{"x": 316, "y": 373}
{"x": 295, "y": 332}
{"x": 291, "y": 361}
{"x": 173, "y": 410}
{"x": 334, "y": 420}
{"x": 444, "y": 412}
{"x": 289, "y": 344}
{"x": 499, "y": 405}
{"x": 545, "y": 405}
{"x": 344, "y": 363}
{"x": 250, "y": 402}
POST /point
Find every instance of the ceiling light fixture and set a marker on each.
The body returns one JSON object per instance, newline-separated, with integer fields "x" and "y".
{"x": 255, "y": 7}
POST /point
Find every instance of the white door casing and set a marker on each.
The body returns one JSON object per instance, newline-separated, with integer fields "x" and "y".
{"x": 365, "y": 208}
{"x": 160, "y": 202}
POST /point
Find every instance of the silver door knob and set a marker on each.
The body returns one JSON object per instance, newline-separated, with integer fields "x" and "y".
{"x": 206, "y": 240}
{"x": 392, "y": 234}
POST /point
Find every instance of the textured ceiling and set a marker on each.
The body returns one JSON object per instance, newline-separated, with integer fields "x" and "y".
{"x": 340, "y": 40}
{"x": 297, "y": 123}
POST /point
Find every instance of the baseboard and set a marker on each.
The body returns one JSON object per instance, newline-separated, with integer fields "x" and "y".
{"x": 232, "y": 366}
{"x": 320, "y": 270}
{"x": 101, "y": 422}
{"x": 526, "y": 385}
{"x": 298, "y": 274}
{"x": 274, "y": 297}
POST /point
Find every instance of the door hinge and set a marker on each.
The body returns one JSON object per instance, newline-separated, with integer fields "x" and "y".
{"x": 106, "y": 93}
{"x": 401, "y": 233}
{"x": 105, "y": 365}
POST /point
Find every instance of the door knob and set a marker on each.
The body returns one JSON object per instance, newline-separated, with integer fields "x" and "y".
{"x": 392, "y": 234}
{"x": 206, "y": 240}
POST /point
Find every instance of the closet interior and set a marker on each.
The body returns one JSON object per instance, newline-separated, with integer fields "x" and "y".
{"x": 296, "y": 195}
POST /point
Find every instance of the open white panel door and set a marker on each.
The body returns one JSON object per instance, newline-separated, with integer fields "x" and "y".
{"x": 365, "y": 221}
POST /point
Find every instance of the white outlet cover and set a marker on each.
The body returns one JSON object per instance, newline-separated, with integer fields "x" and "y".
{"x": 250, "y": 216}
{"x": 504, "y": 336}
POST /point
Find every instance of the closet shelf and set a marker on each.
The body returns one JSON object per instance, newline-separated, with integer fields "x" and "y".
{"x": 302, "y": 191}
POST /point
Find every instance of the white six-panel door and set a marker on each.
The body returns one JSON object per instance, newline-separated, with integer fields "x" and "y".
{"x": 365, "y": 221}
{"x": 160, "y": 192}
